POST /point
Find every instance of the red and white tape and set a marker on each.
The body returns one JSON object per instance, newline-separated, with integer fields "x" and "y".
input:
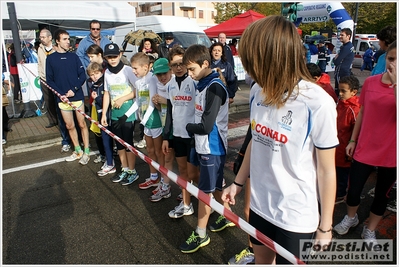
{"x": 193, "y": 190}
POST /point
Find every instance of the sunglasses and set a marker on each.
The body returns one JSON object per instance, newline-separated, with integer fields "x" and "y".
{"x": 95, "y": 29}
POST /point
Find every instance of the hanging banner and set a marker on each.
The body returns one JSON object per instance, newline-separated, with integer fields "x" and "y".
{"x": 30, "y": 84}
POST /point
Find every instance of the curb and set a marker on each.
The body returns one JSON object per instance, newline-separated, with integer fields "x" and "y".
{"x": 36, "y": 142}
{"x": 20, "y": 148}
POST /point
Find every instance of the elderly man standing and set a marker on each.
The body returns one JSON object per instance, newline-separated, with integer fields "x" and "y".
{"x": 45, "y": 49}
{"x": 94, "y": 37}
{"x": 227, "y": 50}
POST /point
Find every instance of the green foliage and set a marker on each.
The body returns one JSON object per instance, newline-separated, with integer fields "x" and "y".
{"x": 228, "y": 10}
{"x": 371, "y": 17}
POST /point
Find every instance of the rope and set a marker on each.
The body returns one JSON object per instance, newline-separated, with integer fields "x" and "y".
{"x": 193, "y": 190}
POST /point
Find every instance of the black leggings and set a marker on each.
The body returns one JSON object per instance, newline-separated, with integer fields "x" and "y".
{"x": 358, "y": 176}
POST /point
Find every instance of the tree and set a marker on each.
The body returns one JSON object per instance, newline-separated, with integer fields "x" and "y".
{"x": 228, "y": 10}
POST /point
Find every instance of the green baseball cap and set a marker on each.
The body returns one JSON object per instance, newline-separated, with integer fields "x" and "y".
{"x": 161, "y": 65}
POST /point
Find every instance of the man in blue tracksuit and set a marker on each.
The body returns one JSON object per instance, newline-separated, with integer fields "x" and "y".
{"x": 343, "y": 60}
{"x": 94, "y": 37}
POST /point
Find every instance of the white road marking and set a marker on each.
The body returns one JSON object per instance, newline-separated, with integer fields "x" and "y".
{"x": 232, "y": 133}
{"x": 40, "y": 164}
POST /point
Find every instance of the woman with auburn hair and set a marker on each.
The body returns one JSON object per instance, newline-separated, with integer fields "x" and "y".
{"x": 290, "y": 159}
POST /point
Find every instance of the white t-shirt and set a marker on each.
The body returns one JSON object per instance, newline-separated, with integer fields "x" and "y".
{"x": 118, "y": 85}
{"x": 183, "y": 105}
{"x": 283, "y": 163}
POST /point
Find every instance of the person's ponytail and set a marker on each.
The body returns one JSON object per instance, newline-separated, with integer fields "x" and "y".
{"x": 221, "y": 76}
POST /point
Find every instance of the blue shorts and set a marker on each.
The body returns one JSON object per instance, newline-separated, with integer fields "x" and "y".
{"x": 211, "y": 172}
{"x": 193, "y": 157}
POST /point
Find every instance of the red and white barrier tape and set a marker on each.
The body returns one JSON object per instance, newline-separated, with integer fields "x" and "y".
{"x": 193, "y": 190}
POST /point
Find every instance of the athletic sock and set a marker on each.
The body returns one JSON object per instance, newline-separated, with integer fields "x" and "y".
{"x": 165, "y": 186}
{"x": 154, "y": 176}
{"x": 87, "y": 150}
{"x": 78, "y": 149}
{"x": 201, "y": 232}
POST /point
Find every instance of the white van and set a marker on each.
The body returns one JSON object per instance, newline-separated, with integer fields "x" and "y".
{"x": 361, "y": 44}
{"x": 185, "y": 31}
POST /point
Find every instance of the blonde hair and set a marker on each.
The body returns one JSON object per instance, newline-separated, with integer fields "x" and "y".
{"x": 94, "y": 67}
{"x": 141, "y": 59}
{"x": 272, "y": 53}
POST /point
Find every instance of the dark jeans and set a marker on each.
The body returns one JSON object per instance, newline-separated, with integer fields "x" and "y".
{"x": 5, "y": 121}
{"x": 49, "y": 99}
{"x": 367, "y": 65}
{"x": 105, "y": 145}
{"x": 358, "y": 175}
{"x": 17, "y": 86}
{"x": 322, "y": 65}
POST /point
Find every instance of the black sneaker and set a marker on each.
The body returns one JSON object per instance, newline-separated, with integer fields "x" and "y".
{"x": 119, "y": 176}
{"x": 220, "y": 224}
{"x": 194, "y": 242}
{"x": 130, "y": 178}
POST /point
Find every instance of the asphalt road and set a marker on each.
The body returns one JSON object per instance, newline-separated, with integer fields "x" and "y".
{"x": 57, "y": 212}
{"x": 62, "y": 213}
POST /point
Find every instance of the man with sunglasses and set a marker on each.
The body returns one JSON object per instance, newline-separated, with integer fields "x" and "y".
{"x": 94, "y": 37}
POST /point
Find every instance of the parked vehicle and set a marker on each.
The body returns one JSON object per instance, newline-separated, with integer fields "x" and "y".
{"x": 361, "y": 43}
{"x": 185, "y": 31}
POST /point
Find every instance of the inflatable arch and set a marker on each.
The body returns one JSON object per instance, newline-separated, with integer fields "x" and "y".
{"x": 323, "y": 11}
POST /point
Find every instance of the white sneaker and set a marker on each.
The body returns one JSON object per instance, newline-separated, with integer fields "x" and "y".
{"x": 4, "y": 141}
{"x": 180, "y": 211}
{"x": 106, "y": 170}
{"x": 85, "y": 159}
{"x": 104, "y": 165}
{"x": 99, "y": 158}
{"x": 369, "y": 236}
{"x": 160, "y": 194}
{"x": 344, "y": 226}
{"x": 75, "y": 156}
{"x": 142, "y": 144}
{"x": 65, "y": 148}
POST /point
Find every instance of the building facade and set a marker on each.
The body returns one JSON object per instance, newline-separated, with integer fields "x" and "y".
{"x": 202, "y": 12}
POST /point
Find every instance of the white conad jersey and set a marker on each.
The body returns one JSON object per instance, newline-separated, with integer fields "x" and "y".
{"x": 283, "y": 163}
{"x": 183, "y": 105}
{"x": 215, "y": 143}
